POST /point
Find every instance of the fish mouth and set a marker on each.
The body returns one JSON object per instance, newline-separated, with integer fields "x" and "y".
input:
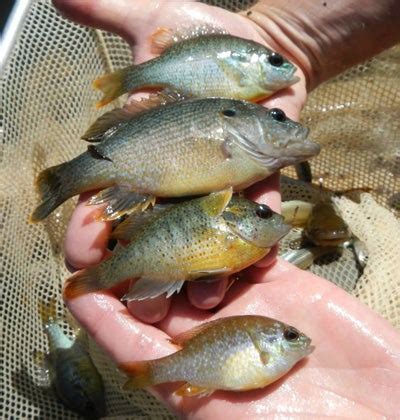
{"x": 308, "y": 350}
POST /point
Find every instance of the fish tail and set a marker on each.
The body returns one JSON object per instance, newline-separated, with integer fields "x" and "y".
{"x": 49, "y": 185}
{"x": 141, "y": 375}
{"x": 82, "y": 282}
{"x": 112, "y": 85}
{"x": 48, "y": 311}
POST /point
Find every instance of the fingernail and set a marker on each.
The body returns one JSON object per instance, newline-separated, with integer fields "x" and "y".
{"x": 207, "y": 295}
{"x": 150, "y": 310}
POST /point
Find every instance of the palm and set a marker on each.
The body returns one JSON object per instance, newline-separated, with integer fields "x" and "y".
{"x": 354, "y": 370}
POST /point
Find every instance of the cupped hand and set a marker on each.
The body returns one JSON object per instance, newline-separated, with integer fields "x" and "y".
{"x": 355, "y": 369}
{"x": 136, "y": 21}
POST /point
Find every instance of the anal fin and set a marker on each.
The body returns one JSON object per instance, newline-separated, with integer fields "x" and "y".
{"x": 150, "y": 289}
{"x": 189, "y": 390}
{"x": 120, "y": 200}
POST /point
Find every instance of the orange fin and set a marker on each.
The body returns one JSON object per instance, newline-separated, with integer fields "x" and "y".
{"x": 106, "y": 125}
{"x": 140, "y": 373}
{"x": 182, "y": 338}
{"x": 112, "y": 85}
{"x": 84, "y": 281}
{"x": 163, "y": 38}
{"x": 189, "y": 390}
{"x": 120, "y": 200}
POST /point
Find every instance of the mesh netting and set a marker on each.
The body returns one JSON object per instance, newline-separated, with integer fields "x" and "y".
{"x": 47, "y": 103}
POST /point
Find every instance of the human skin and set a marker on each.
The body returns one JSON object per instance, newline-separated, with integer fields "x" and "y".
{"x": 355, "y": 369}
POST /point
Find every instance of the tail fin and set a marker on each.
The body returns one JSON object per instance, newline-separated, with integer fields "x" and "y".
{"x": 48, "y": 311}
{"x": 84, "y": 281}
{"x": 49, "y": 184}
{"x": 140, "y": 372}
{"x": 112, "y": 85}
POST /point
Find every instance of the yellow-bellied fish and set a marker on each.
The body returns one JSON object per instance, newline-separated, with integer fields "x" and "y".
{"x": 237, "y": 353}
{"x": 204, "y": 65}
{"x": 69, "y": 369}
{"x": 202, "y": 238}
{"x": 183, "y": 148}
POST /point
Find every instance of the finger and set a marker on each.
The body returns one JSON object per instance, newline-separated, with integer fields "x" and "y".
{"x": 110, "y": 15}
{"x": 150, "y": 310}
{"x": 206, "y": 295}
{"x": 86, "y": 238}
{"x": 123, "y": 337}
{"x": 266, "y": 192}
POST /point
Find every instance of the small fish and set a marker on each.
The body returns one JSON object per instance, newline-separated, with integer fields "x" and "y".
{"x": 303, "y": 258}
{"x": 182, "y": 148}
{"x": 69, "y": 370}
{"x": 325, "y": 227}
{"x": 203, "y": 65}
{"x": 203, "y": 238}
{"x": 237, "y": 353}
{"x": 360, "y": 252}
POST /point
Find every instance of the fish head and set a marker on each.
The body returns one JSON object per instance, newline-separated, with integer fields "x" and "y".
{"x": 276, "y": 72}
{"x": 254, "y": 223}
{"x": 268, "y": 136}
{"x": 285, "y": 345}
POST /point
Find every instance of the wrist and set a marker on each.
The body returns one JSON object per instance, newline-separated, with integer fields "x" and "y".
{"x": 326, "y": 37}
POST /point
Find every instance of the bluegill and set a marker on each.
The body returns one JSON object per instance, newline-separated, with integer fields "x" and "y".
{"x": 198, "y": 239}
{"x": 325, "y": 227}
{"x": 182, "y": 148}
{"x": 205, "y": 65}
{"x": 69, "y": 369}
{"x": 237, "y": 353}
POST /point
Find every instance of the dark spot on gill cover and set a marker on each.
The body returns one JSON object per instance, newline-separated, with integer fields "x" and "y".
{"x": 324, "y": 4}
{"x": 249, "y": 13}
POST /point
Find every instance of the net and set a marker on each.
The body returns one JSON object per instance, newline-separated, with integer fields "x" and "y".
{"x": 47, "y": 103}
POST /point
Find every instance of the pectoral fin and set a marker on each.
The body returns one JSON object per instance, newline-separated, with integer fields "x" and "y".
{"x": 189, "y": 390}
{"x": 120, "y": 200}
{"x": 215, "y": 203}
{"x": 150, "y": 289}
{"x": 264, "y": 356}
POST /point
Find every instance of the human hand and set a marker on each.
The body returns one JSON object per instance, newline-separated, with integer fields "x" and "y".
{"x": 354, "y": 365}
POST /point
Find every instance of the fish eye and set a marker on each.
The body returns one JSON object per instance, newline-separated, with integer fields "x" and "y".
{"x": 229, "y": 112}
{"x": 291, "y": 334}
{"x": 263, "y": 211}
{"x": 275, "y": 60}
{"x": 277, "y": 114}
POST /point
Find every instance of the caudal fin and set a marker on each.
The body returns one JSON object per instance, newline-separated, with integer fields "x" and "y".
{"x": 49, "y": 184}
{"x": 140, "y": 374}
{"x": 112, "y": 85}
{"x": 84, "y": 281}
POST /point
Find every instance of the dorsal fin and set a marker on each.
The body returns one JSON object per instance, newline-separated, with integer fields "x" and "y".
{"x": 181, "y": 339}
{"x": 215, "y": 203}
{"x": 163, "y": 38}
{"x": 108, "y": 123}
{"x": 137, "y": 222}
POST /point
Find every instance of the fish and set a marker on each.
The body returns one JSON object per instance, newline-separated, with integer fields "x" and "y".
{"x": 200, "y": 239}
{"x": 237, "y": 353}
{"x": 325, "y": 227}
{"x": 68, "y": 368}
{"x": 203, "y": 65}
{"x": 181, "y": 148}
{"x": 303, "y": 258}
